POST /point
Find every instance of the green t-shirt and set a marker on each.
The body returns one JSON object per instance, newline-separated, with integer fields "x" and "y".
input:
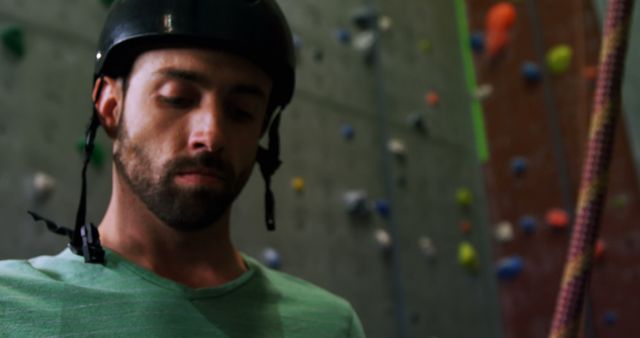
{"x": 62, "y": 296}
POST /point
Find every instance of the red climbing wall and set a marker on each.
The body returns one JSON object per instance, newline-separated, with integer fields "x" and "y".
{"x": 520, "y": 121}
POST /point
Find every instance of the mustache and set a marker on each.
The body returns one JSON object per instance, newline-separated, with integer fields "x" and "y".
{"x": 202, "y": 162}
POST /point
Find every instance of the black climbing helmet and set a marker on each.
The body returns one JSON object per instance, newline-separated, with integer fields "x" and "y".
{"x": 255, "y": 29}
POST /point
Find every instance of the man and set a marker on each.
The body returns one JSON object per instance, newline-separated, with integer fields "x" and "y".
{"x": 185, "y": 89}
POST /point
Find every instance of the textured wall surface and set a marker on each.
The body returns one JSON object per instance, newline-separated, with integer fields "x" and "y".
{"x": 44, "y": 106}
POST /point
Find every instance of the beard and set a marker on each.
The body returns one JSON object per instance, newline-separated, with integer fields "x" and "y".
{"x": 186, "y": 209}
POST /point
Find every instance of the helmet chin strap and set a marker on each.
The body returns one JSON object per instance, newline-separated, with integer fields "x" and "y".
{"x": 84, "y": 239}
{"x": 269, "y": 162}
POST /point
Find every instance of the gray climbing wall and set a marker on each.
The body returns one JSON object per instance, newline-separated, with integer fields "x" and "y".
{"x": 398, "y": 291}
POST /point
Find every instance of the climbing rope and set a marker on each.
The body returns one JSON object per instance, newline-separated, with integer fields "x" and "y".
{"x": 606, "y": 110}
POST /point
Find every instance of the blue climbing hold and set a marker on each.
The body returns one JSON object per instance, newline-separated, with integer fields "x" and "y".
{"x": 519, "y": 166}
{"x": 347, "y": 131}
{"x": 297, "y": 41}
{"x": 531, "y": 72}
{"x": 610, "y": 318}
{"x": 528, "y": 224}
{"x": 343, "y": 36}
{"x": 383, "y": 208}
{"x": 510, "y": 268}
{"x": 271, "y": 258}
{"x": 416, "y": 121}
{"x": 477, "y": 42}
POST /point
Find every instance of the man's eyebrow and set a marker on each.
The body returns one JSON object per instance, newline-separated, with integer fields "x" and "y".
{"x": 183, "y": 74}
{"x": 201, "y": 79}
{"x": 249, "y": 89}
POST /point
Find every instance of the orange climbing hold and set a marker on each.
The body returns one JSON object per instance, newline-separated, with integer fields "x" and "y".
{"x": 557, "y": 218}
{"x": 432, "y": 98}
{"x": 601, "y": 248}
{"x": 496, "y": 42}
{"x": 465, "y": 227}
{"x": 502, "y": 16}
{"x": 590, "y": 73}
{"x": 499, "y": 21}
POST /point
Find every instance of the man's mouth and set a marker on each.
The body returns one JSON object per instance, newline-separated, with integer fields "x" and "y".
{"x": 199, "y": 177}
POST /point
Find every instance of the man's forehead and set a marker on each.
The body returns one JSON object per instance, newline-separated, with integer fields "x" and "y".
{"x": 200, "y": 62}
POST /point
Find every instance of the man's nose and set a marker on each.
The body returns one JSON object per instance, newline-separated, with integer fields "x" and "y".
{"x": 207, "y": 130}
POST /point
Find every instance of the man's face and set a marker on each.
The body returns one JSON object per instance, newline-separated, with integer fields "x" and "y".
{"x": 187, "y": 138}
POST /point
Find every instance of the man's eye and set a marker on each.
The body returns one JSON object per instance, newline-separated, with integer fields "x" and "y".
{"x": 241, "y": 115}
{"x": 177, "y": 101}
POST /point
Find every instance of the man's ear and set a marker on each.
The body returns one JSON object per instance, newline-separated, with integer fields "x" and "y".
{"x": 108, "y": 100}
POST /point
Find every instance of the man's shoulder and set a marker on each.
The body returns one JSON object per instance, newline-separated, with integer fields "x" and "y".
{"x": 41, "y": 268}
{"x": 294, "y": 289}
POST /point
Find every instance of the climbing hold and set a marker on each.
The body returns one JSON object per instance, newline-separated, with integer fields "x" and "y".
{"x": 356, "y": 203}
{"x": 107, "y": 3}
{"x": 496, "y": 42}
{"x": 385, "y": 23}
{"x": 590, "y": 73}
{"x": 297, "y": 183}
{"x": 559, "y": 59}
{"x": 343, "y": 36}
{"x": 397, "y": 148}
{"x": 364, "y": 17}
{"x": 557, "y": 218}
{"x": 432, "y": 98}
{"x": 467, "y": 256}
{"x": 601, "y": 248}
{"x": 501, "y": 16}
{"x": 528, "y": 224}
{"x": 383, "y": 207}
{"x": 97, "y": 156}
{"x": 620, "y": 201}
{"x": 425, "y": 46}
{"x": 504, "y": 232}
{"x": 13, "y": 40}
{"x": 465, "y": 227}
{"x": 610, "y": 318}
{"x": 531, "y": 72}
{"x": 519, "y": 166}
{"x": 297, "y": 42}
{"x": 271, "y": 258}
{"x": 499, "y": 20}
{"x": 416, "y": 121}
{"x": 483, "y": 91}
{"x": 477, "y": 42}
{"x": 43, "y": 186}
{"x": 509, "y": 268}
{"x": 318, "y": 55}
{"x": 464, "y": 197}
{"x": 383, "y": 239}
{"x": 427, "y": 247}
{"x": 347, "y": 132}
{"x": 364, "y": 41}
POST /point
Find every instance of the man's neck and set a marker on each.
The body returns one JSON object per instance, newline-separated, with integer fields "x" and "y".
{"x": 199, "y": 259}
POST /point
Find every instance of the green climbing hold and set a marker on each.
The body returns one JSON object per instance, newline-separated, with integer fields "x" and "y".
{"x": 13, "y": 40}
{"x": 559, "y": 59}
{"x": 467, "y": 256}
{"x": 107, "y": 3}
{"x": 425, "y": 46}
{"x": 620, "y": 201}
{"x": 97, "y": 156}
{"x": 464, "y": 197}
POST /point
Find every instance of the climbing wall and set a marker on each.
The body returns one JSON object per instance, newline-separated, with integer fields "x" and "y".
{"x": 537, "y": 121}
{"x": 380, "y": 198}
